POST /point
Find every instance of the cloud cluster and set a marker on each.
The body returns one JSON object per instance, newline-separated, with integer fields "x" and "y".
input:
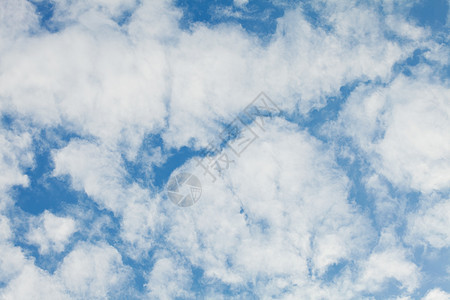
{"x": 51, "y": 232}
{"x": 89, "y": 271}
{"x": 403, "y": 129}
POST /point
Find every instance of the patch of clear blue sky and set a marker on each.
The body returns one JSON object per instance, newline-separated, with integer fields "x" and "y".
{"x": 431, "y": 13}
{"x": 44, "y": 191}
{"x": 258, "y": 18}
{"x": 44, "y": 10}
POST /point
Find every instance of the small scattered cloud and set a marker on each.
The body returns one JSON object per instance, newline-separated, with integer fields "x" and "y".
{"x": 51, "y": 233}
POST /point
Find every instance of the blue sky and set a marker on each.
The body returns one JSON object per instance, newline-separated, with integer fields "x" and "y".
{"x": 340, "y": 188}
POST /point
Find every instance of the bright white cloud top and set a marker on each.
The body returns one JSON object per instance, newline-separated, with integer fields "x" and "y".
{"x": 344, "y": 193}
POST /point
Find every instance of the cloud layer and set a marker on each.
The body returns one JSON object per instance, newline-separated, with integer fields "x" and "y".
{"x": 344, "y": 194}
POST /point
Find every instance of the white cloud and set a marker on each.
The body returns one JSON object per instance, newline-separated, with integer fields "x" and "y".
{"x": 402, "y": 28}
{"x": 169, "y": 279}
{"x": 95, "y": 170}
{"x": 51, "y": 233}
{"x": 95, "y": 272}
{"x": 240, "y": 2}
{"x": 127, "y": 75}
{"x": 103, "y": 85}
{"x": 431, "y": 224}
{"x": 388, "y": 209}
{"x": 17, "y": 17}
{"x": 436, "y": 294}
{"x": 388, "y": 261}
{"x": 403, "y": 129}
{"x": 21, "y": 279}
{"x": 99, "y": 172}
{"x": 12, "y": 261}
{"x": 295, "y": 219}
{"x": 140, "y": 222}
{"x": 89, "y": 271}
{"x": 15, "y": 154}
{"x": 302, "y": 65}
{"x": 33, "y": 283}
{"x": 5, "y": 230}
{"x": 422, "y": 158}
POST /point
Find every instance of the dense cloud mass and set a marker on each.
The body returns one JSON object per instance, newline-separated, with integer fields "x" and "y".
{"x": 344, "y": 192}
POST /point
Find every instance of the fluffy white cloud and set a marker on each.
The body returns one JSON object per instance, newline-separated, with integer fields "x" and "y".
{"x": 431, "y": 224}
{"x": 15, "y": 154}
{"x": 114, "y": 82}
{"x": 99, "y": 172}
{"x": 21, "y": 279}
{"x": 280, "y": 214}
{"x": 302, "y": 65}
{"x": 404, "y": 130}
{"x": 95, "y": 272}
{"x": 12, "y": 262}
{"x": 103, "y": 85}
{"x": 34, "y": 283}
{"x": 169, "y": 279}
{"x": 89, "y": 271}
{"x": 388, "y": 261}
{"x": 95, "y": 170}
{"x": 5, "y": 230}
{"x": 51, "y": 233}
{"x": 436, "y": 294}
{"x": 388, "y": 209}
{"x": 17, "y": 17}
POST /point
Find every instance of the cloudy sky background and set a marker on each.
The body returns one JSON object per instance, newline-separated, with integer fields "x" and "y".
{"x": 345, "y": 194}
